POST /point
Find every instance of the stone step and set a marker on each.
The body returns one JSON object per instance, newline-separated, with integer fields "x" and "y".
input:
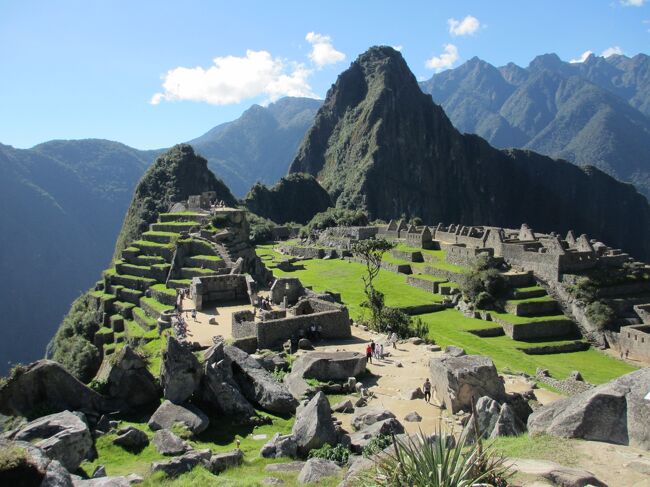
{"x": 532, "y": 307}
{"x": 145, "y": 321}
{"x": 175, "y": 227}
{"x": 190, "y": 272}
{"x": 123, "y": 308}
{"x": 117, "y": 323}
{"x": 182, "y": 217}
{"x": 160, "y": 237}
{"x": 524, "y": 293}
{"x": 205, "y": 261}
{"x": 132, "y": 282}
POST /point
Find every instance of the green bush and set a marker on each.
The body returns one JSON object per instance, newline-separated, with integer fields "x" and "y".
{"x": 600, "y": 314}
{"x": 483, "y": 285}
{"x": 376, "y": 445}
{"x": 337, "y": 217}
{"x": 339, "y": 453}
{"x": 279, "y": 374}
{"x": 261, "y": 229}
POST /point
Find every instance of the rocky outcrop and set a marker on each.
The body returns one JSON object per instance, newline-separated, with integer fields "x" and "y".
{"x": 367, "y": 416}
{"x": 180, "y": 375}
{"x": 45, "y": 385}
{"x": 314, "y": 426}
{"x": 127, "y": 379}
{"x": 64, "y": 437}
{"x": 221, "y": 391}
{"x": 35, "y": 467}
{"x": 167, "y": 443}
{"x": 316, "y": 469}
{"x": 361, "y": 438}
{"x": 280, "y": 446}
{"x": 169, "y": 414}
{"x": 329, "y": 366}
{"x": 554, "y": 472}
{"x": 182, "y": 464}
{"x": 495, "y": 419}
{"x": 221, "y": 461}
{"x": 456, "y": 380}
{"x": 258, "y": 385}
{"x": 131, "y": 438}
{"x": 614, "y": 412}
{"x": 345, "y": 406}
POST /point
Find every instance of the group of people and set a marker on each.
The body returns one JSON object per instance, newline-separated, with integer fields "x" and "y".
{"x": 263, "y": 303}
{"x": 180, "y": 326}
{"x": 217, "y": 204}
{"x": 181, "y": 294}
{"x": 374, "y": 350}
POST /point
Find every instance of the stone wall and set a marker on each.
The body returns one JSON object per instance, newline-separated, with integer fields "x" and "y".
{"x": 530, "y": 308}
{"x": 425, "y": 284}
{"x": 231, "y": 287}
{"x": 466, "y": 256}
{"x": 537, "y": 329}
{"x": 634, "y": 342}
{"x": 289, "y": 287}
{"x": 408, "y": 256}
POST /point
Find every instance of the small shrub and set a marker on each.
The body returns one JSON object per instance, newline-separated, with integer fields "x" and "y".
{"x": 279, "y": 374}
{"x": 339, "y": 454}
{"x": 376, "y": 445}
{"x": 12, "y": 458}
{"x": 99, "y": 386}
{"x": 182, "y": 431}
{"x": 600, "y": 314}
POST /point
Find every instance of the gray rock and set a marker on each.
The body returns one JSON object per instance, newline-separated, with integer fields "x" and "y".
{"x": 48, "y": 386}
{"x": 168, "y": 414}
{"x": 272, "y": 361}
{"x": 329, "y": 366}
{"x": 615, "y": 412}
{"x": 128, "y": 379}
{"x": 314, "y": 426}
{"x": 221, "y": 391}
{"x": 416, "y": 340}
{"x": 316, "y": 469}
{"x": 179, "y": 465}
{"x": 214, "y": 354}
{"x": 167, "y": 443}
{"x": 554, "y": 472}
{"x": 366, "y": 417}
{"x": 131, "y": 438}
{"x": 64, "y": 437}
{"x": 99, "y": 472}
{"x": 305, "y": 344}
{"x": 103, "y": 482}
{"x": 576, "y": 375}
{"x": 180, "y": 374}
{"x": 222, "y": 461}
{"x": 413, "y": 417}
{"x": 345, "y": 406}
{"x": 362, "y": 437}
{"x": 359, "y": 464}
{"x": 280, "y": 446}
{"x": 507, "y": 424}
{"x": 46, "y": 472}
{"x": 298, "y": 387}
{"x": 495, "y": 420}
{"x": 285, "y": 467}
{"x": 415, "y": 394}
{"x": 454, "y": 351}
{"x": 258, "y": 385}
{"x": 362, "y": 402}
{"x": 457, "y": 380}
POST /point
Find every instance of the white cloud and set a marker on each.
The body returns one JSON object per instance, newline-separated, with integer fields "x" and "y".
{"x": 610, "y": 51}
{"x": 231, "y": 79}
{"x": 445, "y": 60}
{"x": 398, "y": 47}
{"x": 583, "y": 57}
{"x": 322, "y": 50}
{"x": 468, "y": 26}
{"x": 632, "y": 3}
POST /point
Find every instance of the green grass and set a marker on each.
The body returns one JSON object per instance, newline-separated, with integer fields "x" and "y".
{"x": 156, "y": 305}
{"x": 449, "y": 327}
{"x": 198, "y": 270}
{"x": 219, "y": 437}
{"x": 344, "y": 277}
{"x": 530, "y": 288}
{"x": 158, "y": 233}
{"x": 429, "y": 277}
{"x": 182, "y": 213}
{"x": 542, "y": 447}
{"x": 214, "y": 258}
{"x": 164, "y": 289}
{"x": 540, "y": 299}
{"x": 518, "y": 320}
{"x": 145, "y": 243}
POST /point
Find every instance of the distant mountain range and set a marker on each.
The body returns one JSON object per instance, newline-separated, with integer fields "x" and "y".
{"x": 596, "y": 112}
{"x": 381, "y": 144}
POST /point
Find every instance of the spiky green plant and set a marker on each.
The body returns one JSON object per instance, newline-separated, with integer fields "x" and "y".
{"x": 438, "y": 462}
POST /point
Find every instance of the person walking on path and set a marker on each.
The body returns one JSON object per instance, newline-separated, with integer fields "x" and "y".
{"x": 426, "y": 388}
{"x": 373, "y": 348}
{"x": 194, "y": 314}
{"x": 380, "y": 351}
{"x": 393, "y": 338}
{"x": 369, "y": 353}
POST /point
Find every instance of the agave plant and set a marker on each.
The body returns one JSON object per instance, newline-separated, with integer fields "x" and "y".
{"x": 437, "y": 462}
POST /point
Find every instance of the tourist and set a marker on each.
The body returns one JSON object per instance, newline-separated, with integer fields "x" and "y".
{"x": 372, "y": 347}
{"x": 393, "y": 338}
{"x": 194, "y": 314}
{"x": 426, "y": 388}
{"x": 380, "y": 350}
{"x": 369, "y": 352}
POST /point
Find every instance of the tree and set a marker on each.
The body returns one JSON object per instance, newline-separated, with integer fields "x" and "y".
{"x": 372, "y": 252}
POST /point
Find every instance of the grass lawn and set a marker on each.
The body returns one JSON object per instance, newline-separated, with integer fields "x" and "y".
{"x": 449, "y": 327}
{"x": 542, "y": 447}
{"x": 219, "y": 437}
{"x": 344, "y": 277}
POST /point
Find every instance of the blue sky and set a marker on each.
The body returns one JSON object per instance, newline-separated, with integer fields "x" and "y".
{"x": 154, "y": 73}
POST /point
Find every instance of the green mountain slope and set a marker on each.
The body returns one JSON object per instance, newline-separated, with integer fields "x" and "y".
{"x": 590, "y": 113}
{"x": 379, "y": 143}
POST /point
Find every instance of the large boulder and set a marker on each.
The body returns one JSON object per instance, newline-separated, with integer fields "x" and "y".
{"x": 182, "y": 464}
{"x": 554, "y": 472}
{"x": 329, "y": 366}
{"x": 167, "y": 443}
{"x": 46, "y": 385}
{"x": 180, "y": 374}
{"x": 458, "y": 380}
{"x": 131, "y": 438}
{"x": 32, "y": 467}
{"x": 222, "y": 392}
{"x": 614, "y": 412}
{"x": 316, "y": 469}
{"x": 221, "y": 461}
{"x": 494, "y": 419}
{"x": 127, "y": 378}
{"x": 314, "y": 426}
{"x": 280, "y": 446}
{"x": 367, "y": 416}
{"x": 64, "y": 437}
{"x": 258, "y": 385}
{"x": 169, "y": 414}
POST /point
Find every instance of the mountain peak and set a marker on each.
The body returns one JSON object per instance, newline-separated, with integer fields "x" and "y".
{"x": 546, "y": 61}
